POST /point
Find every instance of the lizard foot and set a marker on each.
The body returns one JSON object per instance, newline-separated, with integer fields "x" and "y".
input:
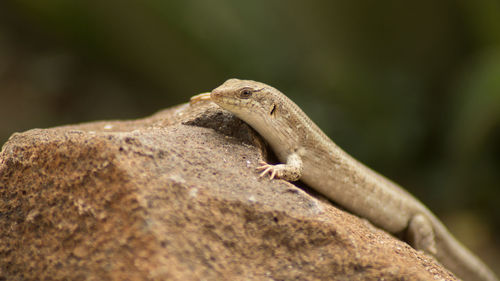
{"x": 265, "y": 168}
{"x": 280, "y": 171}
{"x": 422, "y": 234}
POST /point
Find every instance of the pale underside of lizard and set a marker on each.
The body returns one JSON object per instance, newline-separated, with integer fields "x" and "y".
{"x": 309, "y": 155}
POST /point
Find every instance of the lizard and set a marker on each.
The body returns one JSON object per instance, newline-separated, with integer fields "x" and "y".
{"x": 306, "y": 153}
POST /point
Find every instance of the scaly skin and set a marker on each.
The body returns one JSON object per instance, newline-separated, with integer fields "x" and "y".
{"x": 309, "y": 155}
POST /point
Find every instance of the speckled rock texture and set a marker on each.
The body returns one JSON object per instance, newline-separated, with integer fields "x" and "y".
{"x": 176, "y": 196}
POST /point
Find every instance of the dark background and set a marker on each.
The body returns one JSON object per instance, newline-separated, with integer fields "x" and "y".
{"x": 412, "y": 89}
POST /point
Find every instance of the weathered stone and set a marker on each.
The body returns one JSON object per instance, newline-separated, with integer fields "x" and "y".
{"x": 176, "y": 197}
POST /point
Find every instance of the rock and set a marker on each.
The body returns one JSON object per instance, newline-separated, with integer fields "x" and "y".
{"x": 176, "y": 197}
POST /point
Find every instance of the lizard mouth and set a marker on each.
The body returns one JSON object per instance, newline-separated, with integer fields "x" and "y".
{"x": 222, "y": 100}
{"x": 220, "y": 96}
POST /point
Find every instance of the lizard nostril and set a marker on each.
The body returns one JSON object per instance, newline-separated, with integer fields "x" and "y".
{"x": 215, "y": 94}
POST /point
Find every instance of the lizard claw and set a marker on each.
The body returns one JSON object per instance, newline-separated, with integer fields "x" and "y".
{"x": 262, "y": 163}
{"x": 266, "y": 168}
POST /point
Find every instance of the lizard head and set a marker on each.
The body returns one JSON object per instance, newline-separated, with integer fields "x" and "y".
{"x": 247, "y": 99}
{"x": 261, "y": 106}
{"x": 274, "y": 116}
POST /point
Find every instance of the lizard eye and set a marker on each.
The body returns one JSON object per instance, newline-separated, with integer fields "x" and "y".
{"x": 245, "y": 94}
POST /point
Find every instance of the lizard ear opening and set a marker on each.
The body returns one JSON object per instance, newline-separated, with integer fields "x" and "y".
{"x": 273, "y": 110}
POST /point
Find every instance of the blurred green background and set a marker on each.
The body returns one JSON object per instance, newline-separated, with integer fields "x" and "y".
{"x": 410, "y": 88}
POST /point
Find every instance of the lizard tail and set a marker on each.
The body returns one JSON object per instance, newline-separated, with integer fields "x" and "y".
{"x": 457, "y": 258}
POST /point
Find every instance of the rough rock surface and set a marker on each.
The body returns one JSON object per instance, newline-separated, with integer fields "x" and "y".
{"x": 175, "y": 197}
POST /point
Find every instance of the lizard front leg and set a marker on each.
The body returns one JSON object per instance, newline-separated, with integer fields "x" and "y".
{"x": 291, "y": 171}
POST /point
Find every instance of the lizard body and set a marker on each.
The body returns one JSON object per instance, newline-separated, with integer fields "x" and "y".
{"x": 309, "y": 155}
